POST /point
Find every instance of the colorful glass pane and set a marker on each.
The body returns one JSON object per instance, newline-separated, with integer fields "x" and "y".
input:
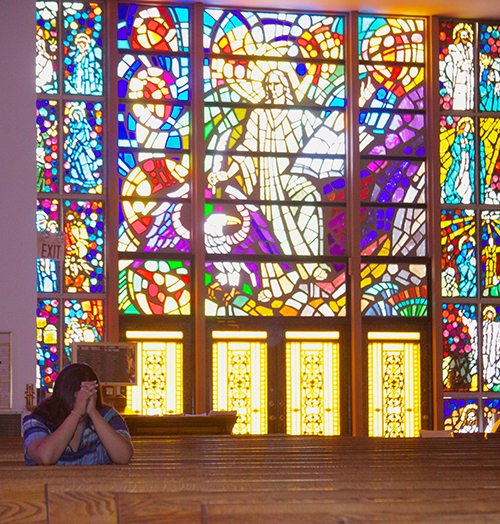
{"x": 491, "y": 348}
{"x": 391, "y": 87}
{"x": 390, "y": 231}
{"x": 84, "y": 260}
{"x": 489, "y": 64}
{"x": 491, "y": 411}
{"x": 82, "y": 48}
{"x": 273, "y": 34}
{"x": 46, "y": 276}
{"x": 385, "y": 133}
{"x": 47, "y": 219}
{"x": 154, "y": 287}
{"x": 46, "y": 47}
{"x": 83, "y": 322}
{"x": 394, "y": 290}
{"x": 460, "y": 347}
{"x": 250, "y": 81}
{"x": 458, "y": 160}
{"x": 47, "y": 215}
{"x": 153, "y": 126}
{"x": 162, "y": 29}
{"x": 456, "y": 66}
{"x": 490, "y": 245}
{"x": 83, "y": 163}
{"x": 251, "y": 229}
{"x": 461, "y": 415}
{"x": 47, "y": 324}
{"x": 275, "y": 289}
{"x": 396, "y": 181}
{"x": 458, "y": 260}
{"x": 310, "y": 145}
{"x": 47, "y": 146}
{"x": 153, "y": 77}
{"x": 489, "y": 173}
{"x": 384, "y": 39}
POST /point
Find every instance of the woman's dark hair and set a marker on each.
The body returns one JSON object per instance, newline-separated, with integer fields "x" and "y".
{"x": 56, "y": 408}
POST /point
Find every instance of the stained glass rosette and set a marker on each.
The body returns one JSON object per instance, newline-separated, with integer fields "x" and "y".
{"x": 394, "y": 289}
{"x": 460, "y": 351}
{"x": 275, "y": 289}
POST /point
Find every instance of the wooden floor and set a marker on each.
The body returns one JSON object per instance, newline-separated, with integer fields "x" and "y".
{"x": 269, "y": 479}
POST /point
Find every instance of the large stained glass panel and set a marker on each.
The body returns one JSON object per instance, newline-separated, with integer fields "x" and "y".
{"x": 489, "y": 132}
{"x": 48, "y": 354}
{"x": 47, "y": 146}
{"x": 154, "y": 287}
{"x": 47, "y": 43}
{"x": 82, "y": 45}
{"x": 458, "y": 160}
{"x": 275, "y": 289}
{"x": 458, "y": 261}
{"x": 83, "y": 322}
{"x": 456, "y": 66}
{"x": 489, "y": 64}
{"x": 84, "y": 261}
{"x": 394, "y": 289}
{"x": 460, "y": 351}
{"x": 461, "y": 415}
{"x": 158, "y": 28}
{"x": 491, "y": 348}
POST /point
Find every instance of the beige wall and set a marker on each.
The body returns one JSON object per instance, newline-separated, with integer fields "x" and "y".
{"x": 18, "y": 190}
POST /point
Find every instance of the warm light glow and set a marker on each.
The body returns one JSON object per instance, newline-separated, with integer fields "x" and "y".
{"x": 312, "y": 386}
{"x": 312, "y": 335}
{"x": 155, "y": 335}
{"x": 240, "y": 382}
{"x": 232, "y": 335}
{"x": 159, "y": 379}
{"x": 393, "y": 389}
{"x": 375, "y": 335}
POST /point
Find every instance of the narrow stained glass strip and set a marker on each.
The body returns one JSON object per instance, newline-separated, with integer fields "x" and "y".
{"x": 153, "y": 126}
{"x": 154, "y": 77}
{"x": 391, "y": 87}
{"x": 458, "y": 160}
{"x": 46, "y": 276}
{"x": 161, "y": 29}
{"x": 84, "y": 260}
{"x": 490, "y": 244}
{"x": 252, "y": 229}
{"x": 491, "y": 412}
{"x": 154, "y": 287}
{"x": 47, "y": 44}
{"x": 390, "y": 231}
{"x": 461, "y": 415}
{"x": 47, "y": 146}
{"x": 48, "y": 357}
{"x": 384, "y": 39}
{"x": 273, "y": 34}
{"x": 491, "y": 348}
{"x": 460, "y": 351}
{"x": 396, "y": 181}
{"x": 82, "y": 48}
{"x": 386, "y": 133}
{"x": 394, "y": 290}
{"x": 250, "y": 81}
{"x": 489, "y": 63}
{"x": 275, "y": 289}
{"x": 83, "y": 322}
{"x": 456, "y": 66}
{"x": 459, "y": 261}
{"x": 489, "y": 130}
{"x": 83, "y": 161}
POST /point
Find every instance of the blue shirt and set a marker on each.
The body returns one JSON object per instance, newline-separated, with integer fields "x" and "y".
{"x": 90, "y": 450}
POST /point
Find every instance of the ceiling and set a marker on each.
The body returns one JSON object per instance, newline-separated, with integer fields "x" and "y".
{"x": 453, "y": 8}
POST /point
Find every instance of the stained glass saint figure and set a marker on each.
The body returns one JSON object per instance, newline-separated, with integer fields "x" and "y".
{"x": 489, "y": 85}
{"x": 86, "y": 78}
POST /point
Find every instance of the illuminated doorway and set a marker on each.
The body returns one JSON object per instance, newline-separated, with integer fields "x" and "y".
{"x": 394, "y": 384}
{"x": 159, "y": 373}
{"x": 312, "y": 383}
{"x": 239, "y": 378}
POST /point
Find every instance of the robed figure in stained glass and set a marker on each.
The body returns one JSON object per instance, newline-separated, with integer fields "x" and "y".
{"x": 489, "y": 85}
{"x": 87, "y": 73}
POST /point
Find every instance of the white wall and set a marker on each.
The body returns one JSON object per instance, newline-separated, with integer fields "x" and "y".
{"x": 18, "y": 189}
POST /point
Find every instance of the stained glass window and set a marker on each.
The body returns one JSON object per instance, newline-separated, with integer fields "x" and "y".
{"x": 489, "y": 64}
{"x": 461, "y": 415}
{"x": 47, "y": 147}
{"x": 83, "y": 322}
{"x": 491, "y": 348}
{"x": 47, "y": 44}
{"x": 48, "y": 351}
